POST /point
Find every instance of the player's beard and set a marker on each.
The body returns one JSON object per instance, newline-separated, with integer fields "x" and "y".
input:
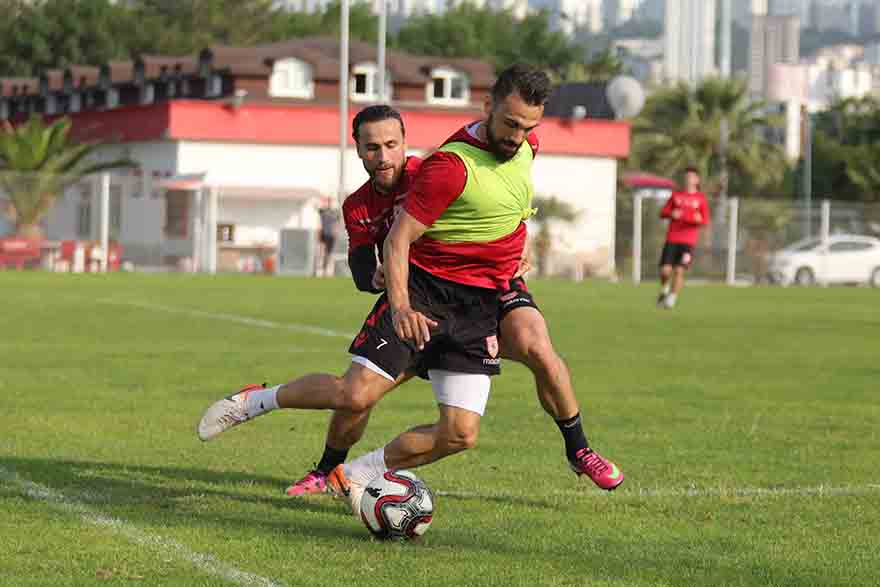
{"x": 504, "y": 150}
{"x": 380, "y": 185}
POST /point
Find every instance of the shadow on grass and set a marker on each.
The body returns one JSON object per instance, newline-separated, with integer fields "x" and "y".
{"x": 188, "y": 497}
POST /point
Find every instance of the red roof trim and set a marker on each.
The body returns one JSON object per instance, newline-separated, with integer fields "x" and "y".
{"x": 191, "y": 120}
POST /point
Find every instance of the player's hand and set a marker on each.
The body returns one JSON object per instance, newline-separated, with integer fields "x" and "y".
{"x": 524, "y": 267}
{"x": 412, "y": 325}
{"x": 379, "y": 278}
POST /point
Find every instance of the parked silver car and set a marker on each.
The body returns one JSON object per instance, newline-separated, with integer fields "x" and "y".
{"x": 843, "y": 258}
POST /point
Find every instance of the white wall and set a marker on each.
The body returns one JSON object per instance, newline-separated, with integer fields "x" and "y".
{"x": 589, "y": 184}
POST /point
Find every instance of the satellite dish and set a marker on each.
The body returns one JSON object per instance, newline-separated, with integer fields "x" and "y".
{"x": 626, "y": 96}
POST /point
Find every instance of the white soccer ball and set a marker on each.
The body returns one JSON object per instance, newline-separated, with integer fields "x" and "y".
{"x": 397, "y": 505}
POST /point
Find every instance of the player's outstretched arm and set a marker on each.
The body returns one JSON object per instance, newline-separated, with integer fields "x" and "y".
{"x": 409, "y": 324}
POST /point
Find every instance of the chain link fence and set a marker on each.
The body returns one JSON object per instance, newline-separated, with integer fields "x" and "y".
{"x": 744, "y": 235}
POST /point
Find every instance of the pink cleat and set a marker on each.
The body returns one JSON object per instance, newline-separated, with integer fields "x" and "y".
{"x": 314, "y": 482}
{"x": 604, "y": 473}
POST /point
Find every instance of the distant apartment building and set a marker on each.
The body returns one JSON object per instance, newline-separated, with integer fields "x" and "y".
{"x": 772, "y": 39}
{"x": 689, "y": 40}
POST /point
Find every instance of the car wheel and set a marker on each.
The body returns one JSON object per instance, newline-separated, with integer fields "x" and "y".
{"x": 804, "y": 276}
{"x": 875, "y": 277}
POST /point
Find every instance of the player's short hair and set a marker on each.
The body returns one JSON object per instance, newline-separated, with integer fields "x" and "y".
{"x": 376, "y": 113}
{"x": 532, "y": 85}
{"x": 691, "y": 169}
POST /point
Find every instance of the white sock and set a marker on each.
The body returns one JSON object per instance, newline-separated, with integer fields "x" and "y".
{"x": 366, "y": 467}
{"x": 665, "y": 290}
{"x": 670, "y": 299}
{"x": 262, "y": 401}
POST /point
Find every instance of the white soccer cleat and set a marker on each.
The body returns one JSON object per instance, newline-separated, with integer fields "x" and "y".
{"x": 226, "y": 413}
{"x": 341, "y": 486}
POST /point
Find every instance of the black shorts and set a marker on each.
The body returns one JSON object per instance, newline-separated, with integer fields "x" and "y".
{"x": 677, "y": 254}
{"x": 518, "y": 297}
{"x": 464, "y": 341}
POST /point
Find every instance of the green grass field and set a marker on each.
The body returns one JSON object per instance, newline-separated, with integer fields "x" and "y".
{"x": 745, "y": 421}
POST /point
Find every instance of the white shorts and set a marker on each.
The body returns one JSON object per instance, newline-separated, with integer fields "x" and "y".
{"x": 468, "y": 391}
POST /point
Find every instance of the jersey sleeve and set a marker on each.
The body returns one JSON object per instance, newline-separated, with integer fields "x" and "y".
{"x": 666, "y": 212}
{"x": 704, "y": 211}
{"x": 440, "y": 181}
{"x": 358, "y": 234}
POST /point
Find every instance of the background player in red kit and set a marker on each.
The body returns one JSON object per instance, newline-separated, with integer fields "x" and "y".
{"x": 687, "y": 212}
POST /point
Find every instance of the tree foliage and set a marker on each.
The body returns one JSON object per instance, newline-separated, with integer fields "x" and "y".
{"x": 37, "y": 161}
{"x": 468, "y": 31}
{"x": 682, "y": 126}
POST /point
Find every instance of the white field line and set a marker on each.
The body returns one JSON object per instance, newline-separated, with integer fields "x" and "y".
{"x": 688, "y": 492}
{"x": 168, "y": 548}
{"x": 233, "y": 318}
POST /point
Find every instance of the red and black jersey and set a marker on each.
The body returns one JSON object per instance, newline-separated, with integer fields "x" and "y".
{"x": 687, "y": 212}
{"x": 440, "y": 181}
{"x": 369, "y": 214}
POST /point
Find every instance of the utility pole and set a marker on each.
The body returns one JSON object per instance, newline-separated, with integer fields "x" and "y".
{"x": 343, "y": 95}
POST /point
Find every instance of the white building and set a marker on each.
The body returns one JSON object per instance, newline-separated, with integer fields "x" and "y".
{"x": 689, "y": 40}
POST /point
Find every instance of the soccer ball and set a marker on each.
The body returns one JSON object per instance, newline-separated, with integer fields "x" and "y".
{"x": 397, "y": 505}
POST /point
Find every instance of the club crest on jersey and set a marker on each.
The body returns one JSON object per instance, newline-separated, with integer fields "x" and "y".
{"x": 492, "y": 345}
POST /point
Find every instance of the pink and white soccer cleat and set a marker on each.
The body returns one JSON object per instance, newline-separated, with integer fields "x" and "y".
{"x": 314, "y": 482}
{"x": 604, "y": 473}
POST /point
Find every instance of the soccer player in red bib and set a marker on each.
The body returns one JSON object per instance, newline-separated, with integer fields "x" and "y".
{"x": 687, "y": 211}
{"x": 471, "y": 266}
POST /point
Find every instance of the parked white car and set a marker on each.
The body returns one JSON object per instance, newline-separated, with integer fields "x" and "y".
{"x": 841, "y": 259}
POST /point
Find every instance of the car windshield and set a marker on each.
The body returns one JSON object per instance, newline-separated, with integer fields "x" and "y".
{"x": 805, "y": 245}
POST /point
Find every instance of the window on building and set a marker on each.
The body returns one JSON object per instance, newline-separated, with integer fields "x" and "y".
{"x": 75, "y": 104}
{"x": 448, "y": 86}
{"x": 215, "y": 86}
{"x": 84, "y": 213}
{"x": 176, "y": 213}
{"x": 365, "y": 83}
{"x": 51, "y": 105}
{"x": 148, "y": 94}
{"x": 292, "y": 78}
{"x": 225, "y": 233}
{"x": 112, "y": 98}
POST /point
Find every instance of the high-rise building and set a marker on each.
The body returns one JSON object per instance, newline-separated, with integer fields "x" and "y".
{"x": 773, "y": 39}
{"x": 689, "y": 40}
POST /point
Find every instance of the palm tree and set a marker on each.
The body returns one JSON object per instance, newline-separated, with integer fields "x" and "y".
{"x": 37, "y": 163}
{"x": 549, "y": 209}
{"x": 682, "y": 126}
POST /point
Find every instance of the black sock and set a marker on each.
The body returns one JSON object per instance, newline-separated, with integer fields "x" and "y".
{"x": 573, "y": 434}
{"x": 331, "y": 458}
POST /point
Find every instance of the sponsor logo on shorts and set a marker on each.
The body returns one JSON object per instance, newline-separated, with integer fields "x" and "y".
{"x": 509, "y": 296}
{"x": 492, "y": 346}
{"x": 516, "y": 301}
{"x": 491, "y": 361}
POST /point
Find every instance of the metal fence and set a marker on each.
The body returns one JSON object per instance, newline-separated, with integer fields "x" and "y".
{"x": 742, "y": 238}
